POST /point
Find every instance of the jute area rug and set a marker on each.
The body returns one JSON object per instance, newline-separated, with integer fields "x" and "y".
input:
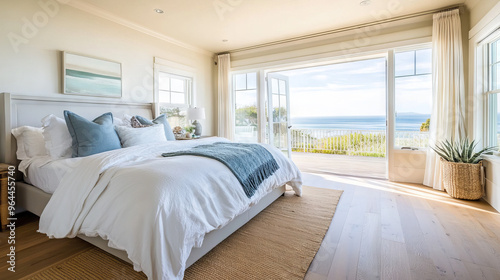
{"x": 279, "y": 243}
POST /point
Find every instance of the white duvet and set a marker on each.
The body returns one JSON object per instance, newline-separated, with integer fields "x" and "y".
{"x": 157, "y": 209}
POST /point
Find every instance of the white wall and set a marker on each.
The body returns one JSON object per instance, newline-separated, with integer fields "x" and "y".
{"x": 32, "y": 38}
{"x": 492, "y": 188}
{"x": 408, "y": 166}
{"x": 479, "y": 8}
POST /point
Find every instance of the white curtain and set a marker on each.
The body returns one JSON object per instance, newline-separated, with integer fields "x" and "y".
{"x": 448, "y": 103}
{"x": 225, "y": 108}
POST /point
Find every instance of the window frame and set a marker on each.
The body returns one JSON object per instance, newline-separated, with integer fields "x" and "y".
{"x": 489, "y": 95}
{"x": 173, "y": 69}
{"x": 187, "y": 81}
{"x": 403, "y": 50}
{"x": 392, "y": 77}
{"x": 259, "y": 98}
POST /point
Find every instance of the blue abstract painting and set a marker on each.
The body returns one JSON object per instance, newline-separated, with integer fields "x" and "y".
{"x": 91, "y": 76}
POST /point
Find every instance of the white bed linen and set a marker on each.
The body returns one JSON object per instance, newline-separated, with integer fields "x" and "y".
{"x": 46, "y": 173}
{"x": 157, "y": 209}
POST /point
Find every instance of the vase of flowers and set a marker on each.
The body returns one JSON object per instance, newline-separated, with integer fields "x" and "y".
{"x": 462, "y": 172}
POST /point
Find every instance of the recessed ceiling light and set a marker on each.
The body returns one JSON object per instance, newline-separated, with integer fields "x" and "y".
{"x": 225, "y": 40}
{"x": 160, "y": 11}
{"x": 365, "y": 2}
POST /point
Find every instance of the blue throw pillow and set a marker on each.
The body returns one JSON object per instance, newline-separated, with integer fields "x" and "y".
{"x": 162, "y": 119}
{"x": 91, "y": 137}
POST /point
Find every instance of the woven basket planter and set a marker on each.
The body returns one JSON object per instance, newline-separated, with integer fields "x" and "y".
{"x": 462, "y": 180}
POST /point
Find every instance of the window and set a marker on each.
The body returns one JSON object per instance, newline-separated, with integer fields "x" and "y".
{"x": 493, "y": 101}
{"x": 245, "y": 106}
{"x": 173, "y": 91}
{"x": 413, "y": 97}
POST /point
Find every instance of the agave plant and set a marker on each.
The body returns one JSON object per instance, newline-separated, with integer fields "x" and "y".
{"x": 460, "y": 151}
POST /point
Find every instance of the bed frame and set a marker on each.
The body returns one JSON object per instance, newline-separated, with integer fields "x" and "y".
{"x": 29, "y": 110}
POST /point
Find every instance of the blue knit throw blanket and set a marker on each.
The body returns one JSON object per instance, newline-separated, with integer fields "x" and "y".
{"x": 250, "y": 163}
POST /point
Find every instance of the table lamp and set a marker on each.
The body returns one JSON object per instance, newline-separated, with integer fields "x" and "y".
{"x": 196, "y": 114}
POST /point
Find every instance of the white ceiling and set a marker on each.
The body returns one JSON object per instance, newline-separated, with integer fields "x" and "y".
{"x": 205, "y": 24}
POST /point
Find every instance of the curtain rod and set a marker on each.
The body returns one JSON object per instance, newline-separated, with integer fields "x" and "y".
{"x": 338, "y": 30}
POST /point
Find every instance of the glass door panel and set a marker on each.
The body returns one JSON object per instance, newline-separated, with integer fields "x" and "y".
{"x": 245, "y": 107}
{"x": 278, "y": 91}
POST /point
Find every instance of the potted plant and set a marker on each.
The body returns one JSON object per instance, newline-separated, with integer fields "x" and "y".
{"x": 461, "y": 168}
{"x": 189, "y": 131}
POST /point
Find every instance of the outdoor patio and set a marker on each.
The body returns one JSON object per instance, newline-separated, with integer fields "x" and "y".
{"x": 373, "y": 167}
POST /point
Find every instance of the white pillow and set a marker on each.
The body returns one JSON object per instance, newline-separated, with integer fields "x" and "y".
{"x": 30, "y": 142}
{"x": 57, "y": 138}
{"x": 118, "y": 121}
{"x": 126, "y": 120}
{"x": 144, "y": 135}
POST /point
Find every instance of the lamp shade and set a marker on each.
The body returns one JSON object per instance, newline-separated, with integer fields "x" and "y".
{"x": 196, "y": 113}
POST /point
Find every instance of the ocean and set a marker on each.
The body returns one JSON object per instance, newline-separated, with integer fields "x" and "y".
{"x": 87, "y": 83}
{"x": 404, "y": 122}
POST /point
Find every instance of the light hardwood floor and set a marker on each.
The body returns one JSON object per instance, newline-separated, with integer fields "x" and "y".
{"x": 384, "y": 230}
{"x": 381, "y": 230}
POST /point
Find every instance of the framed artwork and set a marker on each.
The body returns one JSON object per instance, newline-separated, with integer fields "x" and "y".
{"x": 91, "y": 76}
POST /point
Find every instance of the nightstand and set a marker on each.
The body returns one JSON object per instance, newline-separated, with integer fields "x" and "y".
{"x": 202, "y": 137}
{"x": 4, "y": 203}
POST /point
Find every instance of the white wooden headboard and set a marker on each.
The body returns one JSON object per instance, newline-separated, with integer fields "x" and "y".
{"x": 19, "y": 110}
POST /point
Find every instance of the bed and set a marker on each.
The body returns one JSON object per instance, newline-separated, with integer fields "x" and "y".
{"x": 88, "y": 216}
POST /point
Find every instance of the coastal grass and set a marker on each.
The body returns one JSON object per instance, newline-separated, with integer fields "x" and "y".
{"x": 352, "y": 144}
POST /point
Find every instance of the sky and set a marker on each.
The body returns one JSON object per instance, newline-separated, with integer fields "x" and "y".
{"x": 359, "y": 88}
